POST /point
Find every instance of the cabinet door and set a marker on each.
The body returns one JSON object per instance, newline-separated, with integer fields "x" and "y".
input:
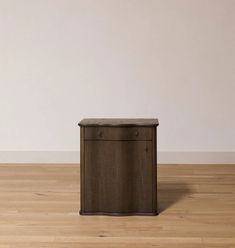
{"x": 118, "y": 176}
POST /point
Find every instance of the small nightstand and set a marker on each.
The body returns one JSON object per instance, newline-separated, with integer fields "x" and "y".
{"x": 118, "y": 166}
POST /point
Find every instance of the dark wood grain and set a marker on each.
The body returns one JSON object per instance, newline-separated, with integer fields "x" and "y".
{"x": 118, "y": 122}
{"x": 154, "y": 172}
{"x": 118, "y": 133}
{"x": 119, "y": 179}
{"x": 118, "y": 170}
{"x": 82, "y": 167}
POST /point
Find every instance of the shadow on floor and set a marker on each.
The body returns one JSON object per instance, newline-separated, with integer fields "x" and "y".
{"x": 171, "y": 193}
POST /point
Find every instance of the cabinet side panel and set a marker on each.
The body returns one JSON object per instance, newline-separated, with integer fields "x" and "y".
{"x": 154, "y": 164}
{"x": 82, "y": 168}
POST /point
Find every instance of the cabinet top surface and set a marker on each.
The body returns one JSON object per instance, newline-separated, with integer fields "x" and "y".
{"x": 118, "y": 122}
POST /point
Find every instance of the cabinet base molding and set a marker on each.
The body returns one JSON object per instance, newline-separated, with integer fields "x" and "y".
{"x": 118, "y": 213}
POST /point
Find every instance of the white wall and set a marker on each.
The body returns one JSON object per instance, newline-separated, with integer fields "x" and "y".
{"x": 63, "y": 60}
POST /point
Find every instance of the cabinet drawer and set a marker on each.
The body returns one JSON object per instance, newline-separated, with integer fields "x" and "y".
{"x": 118, "y": 133}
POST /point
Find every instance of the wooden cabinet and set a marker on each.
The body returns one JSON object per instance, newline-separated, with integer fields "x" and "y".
{"x": 118, "y": 166}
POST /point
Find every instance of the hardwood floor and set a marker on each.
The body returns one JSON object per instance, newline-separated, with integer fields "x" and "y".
{"x": 39, "y": 208}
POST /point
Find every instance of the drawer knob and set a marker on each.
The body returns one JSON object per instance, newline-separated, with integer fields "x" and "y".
{"x": 100, "y": 134}
{"x": 136, "y": 133}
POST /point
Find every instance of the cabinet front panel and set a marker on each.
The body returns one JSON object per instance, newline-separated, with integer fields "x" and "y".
{"x": 118, "y": 176}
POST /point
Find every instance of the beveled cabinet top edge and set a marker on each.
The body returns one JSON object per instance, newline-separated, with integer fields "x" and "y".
{"x": 118, "y": 122}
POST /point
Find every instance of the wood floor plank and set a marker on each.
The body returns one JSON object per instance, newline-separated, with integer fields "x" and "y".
{"x": 39, "y": 207}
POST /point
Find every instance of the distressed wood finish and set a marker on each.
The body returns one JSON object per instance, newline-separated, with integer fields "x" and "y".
{"x": 118, "y": 167}
{"x": 118, "y": 180}
{"x": 118, "y": 122}
{"x": 118, "y": 133}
